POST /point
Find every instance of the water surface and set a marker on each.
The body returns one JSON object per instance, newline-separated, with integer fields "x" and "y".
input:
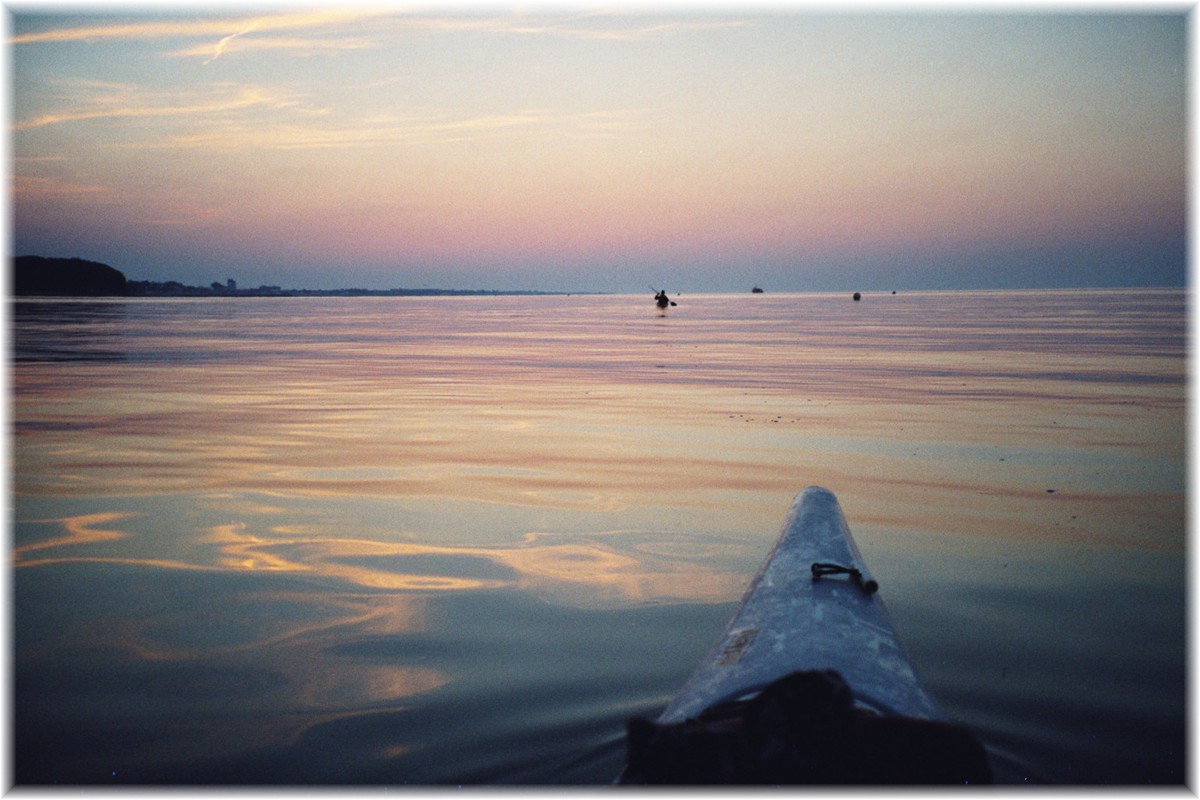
{"x": 463, "y": 540}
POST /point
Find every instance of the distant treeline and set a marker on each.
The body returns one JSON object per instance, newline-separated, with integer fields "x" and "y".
{"x": 36, "y": 276}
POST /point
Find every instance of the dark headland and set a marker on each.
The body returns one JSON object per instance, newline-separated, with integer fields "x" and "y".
{"x": 36, "y": 276}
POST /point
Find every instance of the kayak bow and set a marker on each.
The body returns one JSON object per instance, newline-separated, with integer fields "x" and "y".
{"x": 807, "y": 685}
{"x": 812, "y": 606}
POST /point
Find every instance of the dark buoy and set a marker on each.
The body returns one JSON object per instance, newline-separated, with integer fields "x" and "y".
{"x": 857, "y": 297}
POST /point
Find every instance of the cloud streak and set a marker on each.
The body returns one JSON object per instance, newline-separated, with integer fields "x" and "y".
{"x": 394, "y": 130}
{"x": 241, "y": 43}
{"x": 233, "y": 30}
{"x": 32, "y": 186}
{"x": 165, "y": 29}
{"x": 135, "y": 107}
{"x": 224, "y": 43}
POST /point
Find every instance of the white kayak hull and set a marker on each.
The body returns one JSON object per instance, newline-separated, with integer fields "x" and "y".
{"x": 790, "y": 621}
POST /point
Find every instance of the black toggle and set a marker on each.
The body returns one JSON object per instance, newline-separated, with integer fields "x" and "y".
{"x": 867, "y": 584}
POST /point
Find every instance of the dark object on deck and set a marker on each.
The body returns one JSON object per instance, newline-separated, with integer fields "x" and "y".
{"x": 864, "y": 582}
{"x": 803, "y": 729}
{"x": 857, "y": 297}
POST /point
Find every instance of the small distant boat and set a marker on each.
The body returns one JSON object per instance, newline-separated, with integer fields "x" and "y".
{"x": 756, "y": 290}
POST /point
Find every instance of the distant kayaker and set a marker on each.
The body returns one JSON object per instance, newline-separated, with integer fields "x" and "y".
{"x": 662, "y": 299}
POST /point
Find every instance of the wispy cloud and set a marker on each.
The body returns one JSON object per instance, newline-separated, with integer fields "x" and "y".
{"x": 224, "y": 43}
{"x": 132, "y": 103}
{"x": 235, "y": 32}
{"x": 386, "y": 130}
{"x": 224, "y": 27}
{"x": 241, "y": 43}
{"x": 32, "y": 186}
{"x": 231, "y": 32}
{"x": 225, "y": 116}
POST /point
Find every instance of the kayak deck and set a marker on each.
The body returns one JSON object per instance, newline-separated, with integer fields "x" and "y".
{"x": 794, "y": 617}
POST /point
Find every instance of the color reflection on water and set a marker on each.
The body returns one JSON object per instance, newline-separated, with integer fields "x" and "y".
{"x": 536, "y": 564}
{"x": 456, "y": 540}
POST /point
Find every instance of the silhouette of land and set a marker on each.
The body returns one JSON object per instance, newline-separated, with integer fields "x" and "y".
{"x": 36, "y": 276}
{"x": 56, "y": 277}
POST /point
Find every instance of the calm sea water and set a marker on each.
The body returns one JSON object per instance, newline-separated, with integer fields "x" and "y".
{"x": 463, "y": 540}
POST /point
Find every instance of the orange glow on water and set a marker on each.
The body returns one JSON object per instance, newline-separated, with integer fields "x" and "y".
{"x": 80, "y": 530}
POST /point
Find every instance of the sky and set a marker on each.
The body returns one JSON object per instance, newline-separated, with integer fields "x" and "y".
{"x": 570, "y": 148}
